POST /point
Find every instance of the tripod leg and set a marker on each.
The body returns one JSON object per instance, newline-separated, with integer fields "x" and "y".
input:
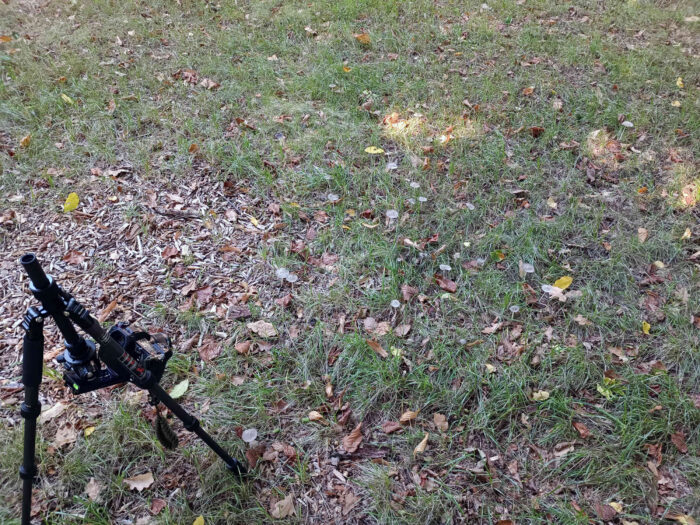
{"x": 191, "y": 423}
{"x": 32, "y": 365}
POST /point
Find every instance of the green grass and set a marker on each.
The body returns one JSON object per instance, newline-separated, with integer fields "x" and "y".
{"x": 591, "y": 67}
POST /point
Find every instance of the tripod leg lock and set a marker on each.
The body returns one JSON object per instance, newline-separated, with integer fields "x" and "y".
{"x": 29, "y": 473}
{"x": 192, "y": 425}
{"x": 30, "y": 411}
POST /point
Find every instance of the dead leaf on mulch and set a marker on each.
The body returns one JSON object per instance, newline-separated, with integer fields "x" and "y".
{"x": 389, "y": 427}
{"x": 93, "y": 489}
{"x": 446, "y": 284}
{"x": 408, "y": 292}
{"x": 582, "y": 429}
{"x": 157, "y": 505}
{"x": 262, "y": 328}
{"x": 209, "y": 349}
{"x": 352, "y": 441}
{"x": 408, "y": 416}
{"x": 140, "y": 482}
{"x": 74, "y": 257}
{"x": 678, "y": 439}
{"x": 440, "y": 422}
{"x": 283, "y": 508}
{"x": 420, "y": 448}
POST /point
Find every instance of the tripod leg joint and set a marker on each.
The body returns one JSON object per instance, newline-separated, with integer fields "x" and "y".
{"x": 28, "y": 473}
{"x": 30, "y": 411}
{"x": 192, "y": 425}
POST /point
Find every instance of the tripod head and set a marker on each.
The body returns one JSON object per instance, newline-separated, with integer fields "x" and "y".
{"x": 84, "y": 370}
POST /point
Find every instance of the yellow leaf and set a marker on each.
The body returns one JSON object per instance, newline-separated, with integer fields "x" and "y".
{"x": 362, "y": 38}
{"x": 88, "y": 431}
{"x": 540, "y": 395}
{"x": 552, "y": 203}
{"x": 676, "y": 103}
{"x": 686, "y": 234}
{"x": 683, "y": 519}
{"x": 369, "y": 225}
{"x": 25, "y": 140}
{"x": 198, "y": 521}
{"x": 490, "y": 368}
{"x": 564, "y": 282}
{"x": 646, "y": 327}
{"x": 347, "y": 69}
{"x": 71, "y": 202}
{"x": 374, "y": 150}
{"x": 679, "y": 82}
{"x": 254, "y": 221}
{"x": 66, "y": 99}
{"x": 605, "y": 392}
{"x": 616, "y": 505}
{"x": 420, "y": 448}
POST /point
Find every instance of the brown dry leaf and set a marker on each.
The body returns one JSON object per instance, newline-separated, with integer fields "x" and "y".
{"x": 283, "y": 508}
{"x": 194, "y": 148}
{"x": 408, "y": 416}
{"x": 353, "y": 439}
{"x": 408, "y": 292}
{"x": 374, "y": 345}
{"x": 104, "y": 314}
{"x": 169, "y": 252}
{"x": 642, "y": 235}
{"x": 536, "y": 131}
{"x": 209, "y": 350}
{"x": 446, "y": 284}
{"x": 243, "y": 347}
{"x": 495, "y": 327}
{"x": 363, "y": 38}
{"x": 389, "y": 427}
{"x": 315, "y": 416}
{"x": 420, "y": 447}
{"x": 440, "y": 422}
{"x": 528, "y": 91}
{"x": 373, "y": 327}
{"x": 262, "y": 328}
{"x": 582, "y": 320}
{"x": 157, "y": 505}
{"x": 402, "y": 330}
{"x": 74, "y": 257}
{"x": 93, "y": 489}
{"x": 65, "y": 436}
{"x": 203, "y": 295}
{"x": 208, "y": 83}
{"x": 605, "y": 512}
{"x": 140, "y": 482}
{"x": 678, "y": 439}
{"x": 683, "y": 519}
{"x": 582, "y": 429}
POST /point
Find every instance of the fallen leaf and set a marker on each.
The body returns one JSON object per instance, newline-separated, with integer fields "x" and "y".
{"x": 389, "y": 427}
{"x": 440, "y": 422}
{"x": 180, "y": 389}
{"x": 26, "y": 140}
{"x": 582, "y": 320}
{"x": 66, "y": 98}
{"x": 72, "y": 202}
{"x": 353, "y": 439}
{"x": 199, "y": 520}
{"x": 104, "y": 314}
{"x": 5, "y": 38}
{"x": 446, "y": 284}
{"x": 679, "y": 82}
{"x": 169, "y": 252}
{"x": 374, "y": 345}
{"x": 528, "y": 91}
{"x": 540, "y": 395}
{"x": 194, "y": 148}
{"x": 642, "y": 234}
{"x": 93, "y": 489}
{"x": 646, "y": 327}
{"x": 54, "y": 411}
{"x": 157, "y": 505}
{"x": 315, "y": 416}
{"x": 74, "y": 257}
{"x": 209, "y": 349}
{"x": 402, "y": 330}
{"x": 88, "y": 431}
{"x": 616, "y": 505}
{"x": 605, "y": 512}
{"x": 563, "y": 282}
{"x": 408, "y": 416}
{"x": 420, "y": 448}
{"x": 243, "y": 347}
{"x": 362, "y": 38}
{"x": 283, "y": 508}
{"x": 408, "y": 292}
{"x": 262, "y": 328}
{"x": 65, "y": 436}
{"x": 552, "y": 203}
{"x": 536, "y": 131}
{"x": 582, "y": 429}
{"x": 678, "y": 439}
{"x": 683, "y": 519}
{"x": 140, "y": 482}
{"x": 495, "y": 327}
{"x": 374, "y": 150}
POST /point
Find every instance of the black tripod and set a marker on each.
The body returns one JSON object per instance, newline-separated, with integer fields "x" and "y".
{"x": 127, "y": 356}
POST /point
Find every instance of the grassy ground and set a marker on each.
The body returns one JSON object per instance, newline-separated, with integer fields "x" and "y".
{"x": 558, "y": 135}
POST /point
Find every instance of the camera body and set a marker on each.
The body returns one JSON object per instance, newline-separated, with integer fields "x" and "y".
{"x": 149, "y": 352}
